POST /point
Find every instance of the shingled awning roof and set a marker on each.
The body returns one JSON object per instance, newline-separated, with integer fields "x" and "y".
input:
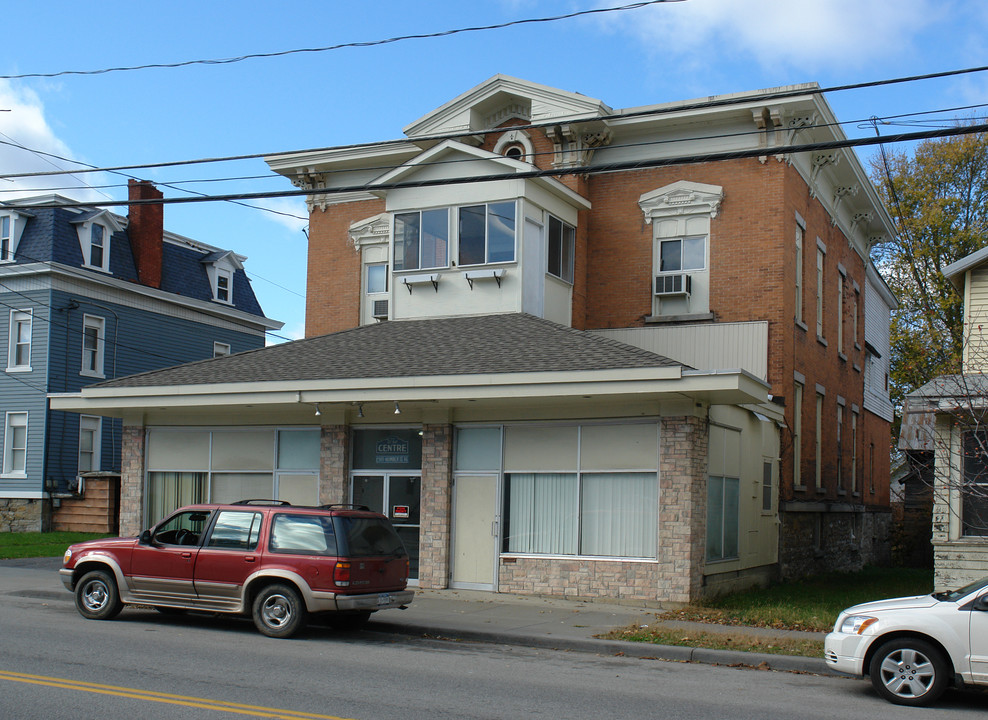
{"x": 488, "y": 344}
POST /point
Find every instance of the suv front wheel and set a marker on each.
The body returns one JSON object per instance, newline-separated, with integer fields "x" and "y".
{"x": 279, "y": 611}
{"x": 96, "y": 596}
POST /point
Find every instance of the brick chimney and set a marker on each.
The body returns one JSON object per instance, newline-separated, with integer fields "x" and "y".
{"x": 146, "y": 230}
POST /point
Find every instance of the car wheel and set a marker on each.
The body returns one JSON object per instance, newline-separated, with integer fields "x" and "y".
{"x": 279, "y": 611}
{"x": 909, "y": 671}
{"x": 349, "y": 621}
{"x": 96, "y": 596}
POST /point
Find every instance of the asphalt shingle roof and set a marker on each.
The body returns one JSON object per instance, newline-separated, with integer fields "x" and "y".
{"x": 511, "y": 343}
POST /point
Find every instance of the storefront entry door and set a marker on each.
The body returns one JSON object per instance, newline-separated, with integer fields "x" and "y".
{"x": 475, "y": 532}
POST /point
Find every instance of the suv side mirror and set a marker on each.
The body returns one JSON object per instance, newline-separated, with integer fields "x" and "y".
{"x": 145, "y": 538}
{"x": 981, "y": 603}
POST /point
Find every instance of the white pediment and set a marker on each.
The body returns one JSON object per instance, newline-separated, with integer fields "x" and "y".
{"x": 502, "y": 98}
{"x": 681, "y": 198}
{"x": 451, "y": 159}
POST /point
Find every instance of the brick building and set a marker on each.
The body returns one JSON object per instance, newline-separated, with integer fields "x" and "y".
{"x": 569, "y": 354}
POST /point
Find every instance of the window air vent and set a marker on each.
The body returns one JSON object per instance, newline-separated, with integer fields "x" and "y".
{"x": 674, "y": 284}
{"x": 380, "y": 309}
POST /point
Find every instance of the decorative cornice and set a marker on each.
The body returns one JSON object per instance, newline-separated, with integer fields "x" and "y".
{"x": 573, "y": 145}
{"x": 681, "y": 198}
{"x": 371, "y": 231}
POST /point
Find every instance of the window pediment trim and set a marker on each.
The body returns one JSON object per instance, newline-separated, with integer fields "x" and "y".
{"x": 681, "y": 198}
{"x": 374, "y": 230}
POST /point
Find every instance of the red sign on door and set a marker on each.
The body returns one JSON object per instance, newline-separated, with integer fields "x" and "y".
{"x": 400, "y": 512}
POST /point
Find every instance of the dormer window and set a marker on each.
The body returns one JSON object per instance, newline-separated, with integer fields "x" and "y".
{"x": 95, "y": 232}
{"x": 220, "y": 268}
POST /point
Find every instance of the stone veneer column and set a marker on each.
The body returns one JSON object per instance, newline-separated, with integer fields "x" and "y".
{"x": 334, "y": 469}
{"x": 437, "y": 477}
{"x": 683, "y": 445}
{"x": 132, "y": 480}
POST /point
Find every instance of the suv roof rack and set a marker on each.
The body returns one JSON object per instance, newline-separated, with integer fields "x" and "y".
{"x": 351, "y": 506}
{"x": 260, "y": 501}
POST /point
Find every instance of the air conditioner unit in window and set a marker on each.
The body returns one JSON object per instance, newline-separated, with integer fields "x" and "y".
{"x": 672, "y": 284}
{"x": 380, "y": 310}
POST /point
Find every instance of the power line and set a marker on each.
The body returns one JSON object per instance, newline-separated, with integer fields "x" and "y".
{"x": 641, "y": 164}
{"x": 648, "y": 112}
{"x": 340, "y": 46}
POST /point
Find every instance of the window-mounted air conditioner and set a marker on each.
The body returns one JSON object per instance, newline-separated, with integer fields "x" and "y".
{"x": 672, "y": 284}
{"x": 380, "y": 310}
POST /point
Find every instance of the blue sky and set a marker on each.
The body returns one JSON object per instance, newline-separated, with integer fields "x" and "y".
{"x": 660, "y": 53}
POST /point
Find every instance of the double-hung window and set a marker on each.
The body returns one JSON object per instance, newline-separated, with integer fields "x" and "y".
{"x": 19, "y": 348}
{"x": 723, "y": 517}
{"x": 15, "y": 445}
{"x": 486, "y": 233}
{"x": 974, "y": 484}
{"x": 92, "y": 345}
{"x": 422, "y": 239}
{"x": 562, "y": 242}
{"x": 224, "y": 285}
{"x": 90, "y": 428}
{"x": 97, "y": 246}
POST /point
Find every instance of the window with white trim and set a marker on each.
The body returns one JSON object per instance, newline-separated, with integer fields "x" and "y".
{"x": 797, "y": 435}
{"x": 90, "y": 435}
{"x": 15, "y": 445}
{"x": 421, "y": 239}
{"x": 6, "y": 238}
{"x": 818, "y": 440}
{"x": 223, "y": 292}
{"x": 820, "y": 255}
{"x": 19, "y": 349}
{"x": 93, "y": 328}
{"x": 562, "y": 249}
{"x": 221, "y": 349}
{"x": 723, "y": 517}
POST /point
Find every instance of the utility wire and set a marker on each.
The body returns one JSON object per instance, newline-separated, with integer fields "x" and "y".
{"x": 340, "y": 46}
{"x": 641, "y": 164}
{"x": 649, "y": 112}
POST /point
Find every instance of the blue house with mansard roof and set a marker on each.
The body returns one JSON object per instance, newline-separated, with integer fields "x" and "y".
{"x": 86, "y": 296}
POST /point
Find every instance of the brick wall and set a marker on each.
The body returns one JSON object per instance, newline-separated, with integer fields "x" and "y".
{"x": 434, "y": 533}
{"x": 333, "y": 280}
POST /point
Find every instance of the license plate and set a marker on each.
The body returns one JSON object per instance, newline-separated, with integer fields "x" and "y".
{"x": 384, "y": 599}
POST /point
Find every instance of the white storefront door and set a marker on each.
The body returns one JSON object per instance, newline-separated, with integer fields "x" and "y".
{"x": 475, "y": 532}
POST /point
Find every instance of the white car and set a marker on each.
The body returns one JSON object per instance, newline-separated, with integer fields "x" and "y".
{"x": 913, "y": 648}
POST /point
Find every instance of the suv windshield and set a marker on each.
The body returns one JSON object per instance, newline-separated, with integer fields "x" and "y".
{"x": 369, "y": 536}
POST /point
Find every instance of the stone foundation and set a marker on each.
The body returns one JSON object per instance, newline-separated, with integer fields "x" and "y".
{"x": 844, "y": 540}
{"x": 21, "y": 515}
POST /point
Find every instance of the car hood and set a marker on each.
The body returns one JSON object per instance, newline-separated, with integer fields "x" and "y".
{"x": 103, "y": 544}
{"x": 903, "y": 603}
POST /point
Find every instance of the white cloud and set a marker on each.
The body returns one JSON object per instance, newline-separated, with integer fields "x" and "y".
{"x": 23, "y": 125}
{"x": 808, "y": 36}
{"x": 289, "y": 212}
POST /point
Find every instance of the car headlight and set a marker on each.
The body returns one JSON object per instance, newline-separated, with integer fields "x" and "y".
{"x": 857, "y": 624}
{"x": 67, "y": 556}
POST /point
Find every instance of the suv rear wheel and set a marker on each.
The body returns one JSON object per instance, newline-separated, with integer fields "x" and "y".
{"x": 279, "y": 611}
{"x": 909, "y": 671}
{"x": 96, "y": 596}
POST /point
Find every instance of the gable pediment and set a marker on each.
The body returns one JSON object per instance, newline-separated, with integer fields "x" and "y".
{"x": 451, "y": 159}
{"x": 504, "y": 98}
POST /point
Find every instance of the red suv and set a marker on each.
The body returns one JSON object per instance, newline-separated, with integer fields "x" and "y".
{"x": 269, "y": 559}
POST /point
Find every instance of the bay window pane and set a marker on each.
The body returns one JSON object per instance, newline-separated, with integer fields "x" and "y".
{"x": 732, "y": 512}
{"x": 715, "y": 518}
{"x": 407, "y": 241}
{"x": 435, "y": 238}
{"x": 501, "y": 232}
{"x": 472, "y": 235}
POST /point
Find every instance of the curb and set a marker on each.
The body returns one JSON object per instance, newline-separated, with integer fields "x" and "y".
{"x": 641, "y": 651}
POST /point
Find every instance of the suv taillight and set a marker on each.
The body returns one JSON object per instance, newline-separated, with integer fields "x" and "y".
{"x": 341, "y": 574}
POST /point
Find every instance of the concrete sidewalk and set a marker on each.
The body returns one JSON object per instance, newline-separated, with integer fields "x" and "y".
{"x": 498, "y": 618}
